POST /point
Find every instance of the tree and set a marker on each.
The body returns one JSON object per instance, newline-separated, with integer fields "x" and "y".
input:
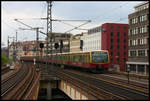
{"x": 5, "y": 59}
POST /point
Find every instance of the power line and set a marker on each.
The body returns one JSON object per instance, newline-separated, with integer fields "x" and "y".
{"x": 112, "y": 10}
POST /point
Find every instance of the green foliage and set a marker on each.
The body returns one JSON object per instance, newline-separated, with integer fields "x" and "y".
{"x": 5, "y": 59}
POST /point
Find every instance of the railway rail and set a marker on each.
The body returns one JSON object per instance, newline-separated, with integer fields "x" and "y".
{"x": 141, "y": 87}
{"x": 115, "y": 90}
{"x": 18, "y": 85}
{"x": 138, "y": 76}
{"x": 98, "y": 93}
{"x": 5, "y": 70}
{"x": 9, "y": 83}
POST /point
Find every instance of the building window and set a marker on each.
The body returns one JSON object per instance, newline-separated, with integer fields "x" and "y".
{"x": 118, "y": 27}
{"x": 111, "y": 41}
{"x": 131, "y": 42}
{"x": 124, "y": 53}
{"x": 118, "y": 53}
{"x": 140, "y": 68}
{"x": 138, "y": 41}
{"x": 132, "y": 53}
{"x": 111, "y": 34}
{"x": 111, "y": 47}
{"x": 124, "y": 46}
{"x": 124, "y": 59}
{"x": 118, "y": 40}
{"x": 118, "y": 47}
{"x": 132, "y": 67}
{"x": 124, "y": 40}
{"x": 141, "y": 52}
{"x": 130, "y": 21}
{"x": 118, "y": 60}
{"x": 118, "y": 34}
{"x": 124, "y": 35}
{"x": 124, "y": 27}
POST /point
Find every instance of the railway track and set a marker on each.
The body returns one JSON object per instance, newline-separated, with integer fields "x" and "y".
{"x": 22, "y": 90}
{"x": 121, "y": 91}
{"x": 92, "y": 90}
{"x": 9, "y": 83}
{"x": 17, "y": 85}
{"x": 125, "y": 81}
{"x": 141, "y": 87}
{"x": 5, "y": 70}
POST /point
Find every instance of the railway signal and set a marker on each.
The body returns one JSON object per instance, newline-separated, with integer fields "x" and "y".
{"x": 41, "y": 45}
{"x": 81, "y": 44}
{"x": 56, "y": 45}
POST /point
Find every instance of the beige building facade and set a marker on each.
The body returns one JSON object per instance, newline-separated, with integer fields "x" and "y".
{"x": 138, "y": 41}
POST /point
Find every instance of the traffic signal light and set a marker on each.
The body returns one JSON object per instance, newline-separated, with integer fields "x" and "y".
{"x": 41, "y": 45}
{"x": 81, "y": 44}
{"x": 56, "y": 45}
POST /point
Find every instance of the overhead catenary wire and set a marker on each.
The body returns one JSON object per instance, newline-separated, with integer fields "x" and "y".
{"x": 112, "y": 10}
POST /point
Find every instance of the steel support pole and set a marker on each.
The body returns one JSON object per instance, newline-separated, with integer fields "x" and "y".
{"x": 49, "y": 30}
{"x": 16, "y": 46}
{"x": 37, "y": 49}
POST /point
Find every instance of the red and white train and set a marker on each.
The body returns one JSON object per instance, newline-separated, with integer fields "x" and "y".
{"x": 95, "y": 61}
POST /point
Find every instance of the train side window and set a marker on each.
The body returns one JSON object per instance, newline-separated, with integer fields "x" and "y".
{"x": 67, "y": 57}
{"x": 71, "y": 58}
{"x": 83, "y": 58}
{"x": 61, "y": 58}
{"x": 86, "y": 58}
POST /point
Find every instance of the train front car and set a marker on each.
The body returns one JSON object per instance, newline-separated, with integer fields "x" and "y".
{"x": 100, "y": 60}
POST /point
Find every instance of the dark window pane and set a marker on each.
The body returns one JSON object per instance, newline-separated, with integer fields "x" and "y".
{"x": 111, "y": 41}
{"x": 111, "y": 34}
{"x": 118, "y": 34}
{"x": 124, "y": 27}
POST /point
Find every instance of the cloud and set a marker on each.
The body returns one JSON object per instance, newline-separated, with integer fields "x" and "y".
{"x": 98, "y": 12}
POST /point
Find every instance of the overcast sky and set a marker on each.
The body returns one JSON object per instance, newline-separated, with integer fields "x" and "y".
{"x": 98, "y": 12}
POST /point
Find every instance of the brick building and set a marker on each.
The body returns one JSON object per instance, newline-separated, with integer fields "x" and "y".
{"x": 139, "y": 39}
{"x": 115, "y": 40}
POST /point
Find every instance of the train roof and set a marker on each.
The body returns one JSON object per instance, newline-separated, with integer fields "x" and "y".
{"x": 69, "y": 53}
{"x": 78, "y": 52}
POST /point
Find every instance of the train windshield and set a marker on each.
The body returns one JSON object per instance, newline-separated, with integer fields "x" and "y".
{"x": 99, "y": 57}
